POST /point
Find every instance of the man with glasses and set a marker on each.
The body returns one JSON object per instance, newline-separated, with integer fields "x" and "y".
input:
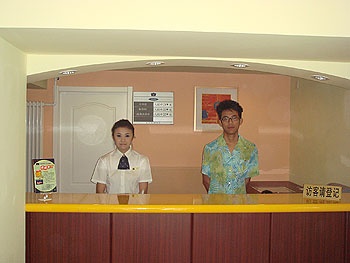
{"x": 229, "y": 161}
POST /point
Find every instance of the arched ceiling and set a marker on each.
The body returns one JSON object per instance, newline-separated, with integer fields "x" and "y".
{"x": 297, "y": 38}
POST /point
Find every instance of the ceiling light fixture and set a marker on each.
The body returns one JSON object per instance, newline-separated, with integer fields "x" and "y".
{"x": 240, "y": 65}
{"x": 68, "y": 72}
{"x": 154, "y": 63}
{"x": 320, "y": 77}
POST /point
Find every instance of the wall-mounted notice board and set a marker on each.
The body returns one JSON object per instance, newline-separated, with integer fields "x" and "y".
{"x": 153, "y": 108}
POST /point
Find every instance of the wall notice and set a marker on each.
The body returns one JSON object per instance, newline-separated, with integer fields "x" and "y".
{"x": 153, "y": 108}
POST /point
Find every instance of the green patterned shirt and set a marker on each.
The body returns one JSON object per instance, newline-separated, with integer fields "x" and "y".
{"x": 227, "y": 171}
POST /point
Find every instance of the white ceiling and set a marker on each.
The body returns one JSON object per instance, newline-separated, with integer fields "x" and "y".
{"x": 165, "y": 43}
{"x": 209, "y": 48}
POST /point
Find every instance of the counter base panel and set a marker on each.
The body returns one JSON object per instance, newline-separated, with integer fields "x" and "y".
{"x": 231, "y": 238}
{"x": 67, "y": 237}
{"x": 197, "y": 238}
{"x": 309, "y": 237}
{"x": 151, "y": 237}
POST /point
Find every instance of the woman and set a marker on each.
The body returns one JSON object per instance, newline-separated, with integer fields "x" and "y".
{"x": 122, "y": 170}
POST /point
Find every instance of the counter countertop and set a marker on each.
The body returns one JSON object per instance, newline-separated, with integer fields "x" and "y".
{"x": 181, "y": 203}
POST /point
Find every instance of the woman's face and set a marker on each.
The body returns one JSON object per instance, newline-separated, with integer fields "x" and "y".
{"x": 123, "y": 137}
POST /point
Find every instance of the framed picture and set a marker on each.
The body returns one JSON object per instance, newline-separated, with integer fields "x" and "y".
{"x": 206, "y": 100}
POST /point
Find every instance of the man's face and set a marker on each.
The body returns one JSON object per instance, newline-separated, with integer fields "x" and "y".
{"x": 230, "y": 122}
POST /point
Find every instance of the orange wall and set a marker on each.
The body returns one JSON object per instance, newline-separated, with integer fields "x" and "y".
{"x": 265, "y": 100}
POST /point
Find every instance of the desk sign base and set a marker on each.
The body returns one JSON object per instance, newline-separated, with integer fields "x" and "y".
{"x": 322, "y": 192}
{"x": 44, "y": 175}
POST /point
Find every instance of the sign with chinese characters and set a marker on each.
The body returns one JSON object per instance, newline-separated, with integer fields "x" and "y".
{"x": 153, "y": 108}
{"x": 44, "y": 175}
{"x": 324, "y": 192}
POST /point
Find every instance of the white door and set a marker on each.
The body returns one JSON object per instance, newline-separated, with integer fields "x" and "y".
{"x": 84, "y": 117}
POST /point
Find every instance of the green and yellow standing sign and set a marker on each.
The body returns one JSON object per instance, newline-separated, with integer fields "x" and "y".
{"x": 44, "y": 176}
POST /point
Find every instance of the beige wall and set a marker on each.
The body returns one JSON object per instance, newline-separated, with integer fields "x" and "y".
{"x": 175, "y": 150}
{"x": 12, "y": 154}
{"x": 320, "y": 144}
{"x": 313, "y": 134}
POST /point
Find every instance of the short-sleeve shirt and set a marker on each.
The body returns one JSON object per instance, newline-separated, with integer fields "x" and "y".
{"x": 122, "y": 181}
{"x": 228, "y": 170}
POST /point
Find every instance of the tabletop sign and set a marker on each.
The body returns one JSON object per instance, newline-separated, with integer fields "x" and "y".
{"x": 44, "y": 176}
{"x": 153, "y": 108}
{"x": 324, "y": 192}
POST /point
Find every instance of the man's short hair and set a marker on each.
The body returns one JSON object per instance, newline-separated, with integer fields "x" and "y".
{"x": 229, "y": 105}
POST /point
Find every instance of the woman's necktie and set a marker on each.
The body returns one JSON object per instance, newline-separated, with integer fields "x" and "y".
{"x": 123, "y": 163}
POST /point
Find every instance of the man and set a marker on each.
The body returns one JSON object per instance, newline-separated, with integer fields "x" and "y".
{"x": 229, "y": 161}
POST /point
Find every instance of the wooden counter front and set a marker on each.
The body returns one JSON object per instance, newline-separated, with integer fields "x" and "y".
{"x": 186, "y": 228}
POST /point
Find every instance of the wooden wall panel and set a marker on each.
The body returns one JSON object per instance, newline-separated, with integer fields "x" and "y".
{"x": 308, "y": 237}
{"x": 347, "y": 238}
{"x": 151, "y": 238}
{"x": 231, "y": 238}
{"x": 197, "y": 238}
{"x": 67, "y": 237}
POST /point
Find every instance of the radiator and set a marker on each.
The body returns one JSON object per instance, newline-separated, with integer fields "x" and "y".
{"x": 34, "y": 126}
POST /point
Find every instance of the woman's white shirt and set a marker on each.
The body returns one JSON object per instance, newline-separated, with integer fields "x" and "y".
{"x": 122, "y": 181}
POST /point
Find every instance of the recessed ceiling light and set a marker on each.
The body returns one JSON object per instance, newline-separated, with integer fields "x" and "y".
{"x": 240, "y": 65}
{"x": 154, "y": 63}
{"x": 68, "y": 72}
{"x": 320, "y": 77}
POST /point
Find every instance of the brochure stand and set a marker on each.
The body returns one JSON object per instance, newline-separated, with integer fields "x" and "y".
{"x": 44, "y": 176}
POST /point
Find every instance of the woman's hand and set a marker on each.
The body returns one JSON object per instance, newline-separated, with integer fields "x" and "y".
{"x": 100, "y": 188}
{"x": 143, "y": 188}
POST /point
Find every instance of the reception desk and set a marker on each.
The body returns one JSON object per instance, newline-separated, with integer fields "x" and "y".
{"x": 186, "y": 228}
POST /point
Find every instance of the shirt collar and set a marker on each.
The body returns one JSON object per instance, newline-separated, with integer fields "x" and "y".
{"x": 127, "y": 153}
{"x": 222, "y": 142}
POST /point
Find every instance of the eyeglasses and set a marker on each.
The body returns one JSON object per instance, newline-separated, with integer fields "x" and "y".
{"x": 227, "y": 119}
